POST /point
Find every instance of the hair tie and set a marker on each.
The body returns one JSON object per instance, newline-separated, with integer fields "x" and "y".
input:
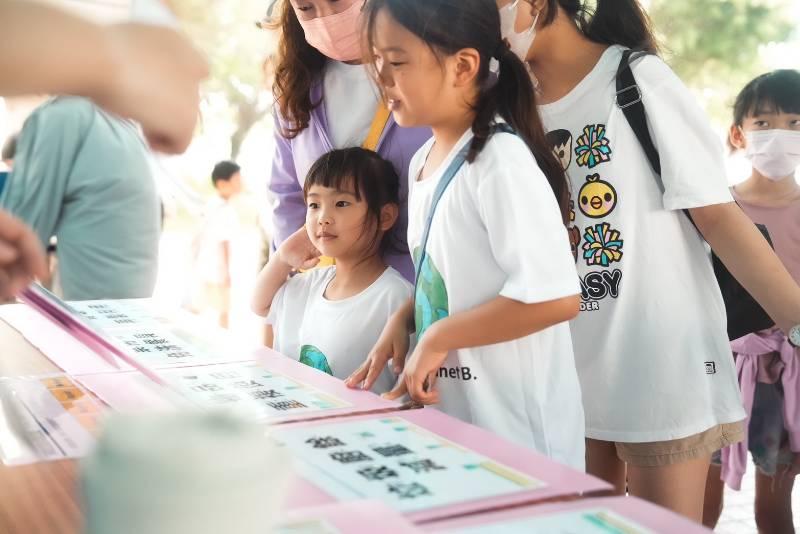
{"x": 494, "y": 63}
{"x": 502, "y": 47}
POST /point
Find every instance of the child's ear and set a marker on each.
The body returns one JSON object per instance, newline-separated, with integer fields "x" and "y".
{"x": 389, "y": 214}
{"x": 736, "y": 137}
{"x": 467, "y": 65}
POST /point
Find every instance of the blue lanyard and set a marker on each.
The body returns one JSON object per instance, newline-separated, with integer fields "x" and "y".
{"x": 441, "y": 187}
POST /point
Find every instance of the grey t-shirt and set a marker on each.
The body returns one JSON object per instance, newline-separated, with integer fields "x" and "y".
{"x": 84, "y": 176}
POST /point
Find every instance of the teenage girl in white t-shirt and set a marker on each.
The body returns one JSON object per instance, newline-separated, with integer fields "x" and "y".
{"x": 650, "y": 343}
{"x": 496, "y": 278}
{"x": 329, "y": 318}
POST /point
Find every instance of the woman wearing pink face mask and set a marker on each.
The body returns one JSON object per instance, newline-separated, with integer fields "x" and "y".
{"x": 326, "y": 100}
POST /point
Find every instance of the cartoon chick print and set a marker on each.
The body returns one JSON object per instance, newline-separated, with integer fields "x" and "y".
{"x": 598, "y": 198}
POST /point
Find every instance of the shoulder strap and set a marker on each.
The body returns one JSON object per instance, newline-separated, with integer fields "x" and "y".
{"x": 379, "y": 122}
{"x": 629, "y": 100}
{"x": 441, "y": 187}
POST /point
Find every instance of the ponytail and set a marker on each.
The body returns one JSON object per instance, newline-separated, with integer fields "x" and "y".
{"x": 513, "y": 98}
{"x": 611, "y": 22}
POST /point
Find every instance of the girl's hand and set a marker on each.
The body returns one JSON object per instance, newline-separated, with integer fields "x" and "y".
{"x": 392, "y": 345}
{"x": 421, "y": 372}
{"x": 298, "y": 252}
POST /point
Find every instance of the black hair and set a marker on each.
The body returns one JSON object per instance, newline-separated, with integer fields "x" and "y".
{"x": 777, "y": 91}
{"x": 559, "y": 137}
{"x": 448, "y": 26}
{"x": 611, "y": 22}
{"x": 373, "y": 180}
{"x": 224, "y": 171}
{"x": 10, "y": 147}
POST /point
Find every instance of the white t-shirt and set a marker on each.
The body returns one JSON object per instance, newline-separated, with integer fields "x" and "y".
{"x": 220, "y": 225}
{"x": 497, "y": 231}
{"x": 335, "y": 336}
{"x": 351, "y": 101}
{"x": 650, "y": 342}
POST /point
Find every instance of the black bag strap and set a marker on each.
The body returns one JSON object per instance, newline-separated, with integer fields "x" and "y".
{"x": 629, "y": 100}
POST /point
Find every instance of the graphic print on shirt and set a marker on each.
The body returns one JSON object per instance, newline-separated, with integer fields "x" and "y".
{"x": 597, "y": 198}
{"x": 602, "y": 245}
{"x": 573, "y": 231}
{"x": 598, "y": 285}
{"x": 561, "y": 143}
{"x": 313, "y": 357}
{"x": 592, "y": 147}
{"x": 430, "y": 302}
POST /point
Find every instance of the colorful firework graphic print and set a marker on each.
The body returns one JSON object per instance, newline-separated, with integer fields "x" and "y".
{"x": 602, "y": 245}
{"x": 592, "y": 148}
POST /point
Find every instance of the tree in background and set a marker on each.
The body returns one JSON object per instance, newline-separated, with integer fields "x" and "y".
{"x": 239, "y": 54}
{"x": 714, "y": 45}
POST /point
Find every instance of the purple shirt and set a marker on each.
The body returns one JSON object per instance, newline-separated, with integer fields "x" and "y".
{"x": 294, "y": 157}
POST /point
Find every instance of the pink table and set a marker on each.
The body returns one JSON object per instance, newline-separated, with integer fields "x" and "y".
{"x": 647, "y": 515}
{"x": 351, "y": 518}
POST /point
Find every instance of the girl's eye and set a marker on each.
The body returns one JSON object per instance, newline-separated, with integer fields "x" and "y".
{"x": 342, "y": 204}
{"x": 313, "y": 206}
{"x": 761, "y": 124}
{"x": 794, "y": 123}
{"x": 396, "y": 63}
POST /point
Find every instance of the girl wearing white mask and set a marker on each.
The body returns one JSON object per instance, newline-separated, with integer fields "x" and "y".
{"x": 326, "y": 100}
{"x": 659, "y": 385}
{"x": 767, "y": 127}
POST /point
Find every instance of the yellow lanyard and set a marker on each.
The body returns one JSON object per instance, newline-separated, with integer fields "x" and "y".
{"x": 377, "y": 127}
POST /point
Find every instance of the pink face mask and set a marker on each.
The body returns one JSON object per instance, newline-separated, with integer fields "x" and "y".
{"x": 336, "y": 36}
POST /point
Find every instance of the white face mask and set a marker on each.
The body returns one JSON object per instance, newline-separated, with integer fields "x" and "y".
{"x": 774, "y": 153}
{"x": 520, "y": 42}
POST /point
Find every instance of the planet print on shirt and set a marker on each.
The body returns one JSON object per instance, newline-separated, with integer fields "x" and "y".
{"x": 592, "y": 148}
{"x": 313, "y": 357}
{"x": 430, "y": 301}
{"x": 597, "y": 198}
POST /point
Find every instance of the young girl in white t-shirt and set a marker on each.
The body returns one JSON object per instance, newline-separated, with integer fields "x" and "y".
{"x": 329, "y": 318}
{"x": 496, "y": 277}
{"x": 650, "y": 342}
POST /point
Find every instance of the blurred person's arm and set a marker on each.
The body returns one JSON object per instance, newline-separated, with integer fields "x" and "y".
{"x": 21, "y": 256}
{"x": 226, "y": 262}
{"x": 147, "y": 73}
{"x": 289, "y": 206}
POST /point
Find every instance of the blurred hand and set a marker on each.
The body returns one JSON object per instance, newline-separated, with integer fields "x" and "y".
{"x": 21, "y": 256}
{"x": 156, "y": 83}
